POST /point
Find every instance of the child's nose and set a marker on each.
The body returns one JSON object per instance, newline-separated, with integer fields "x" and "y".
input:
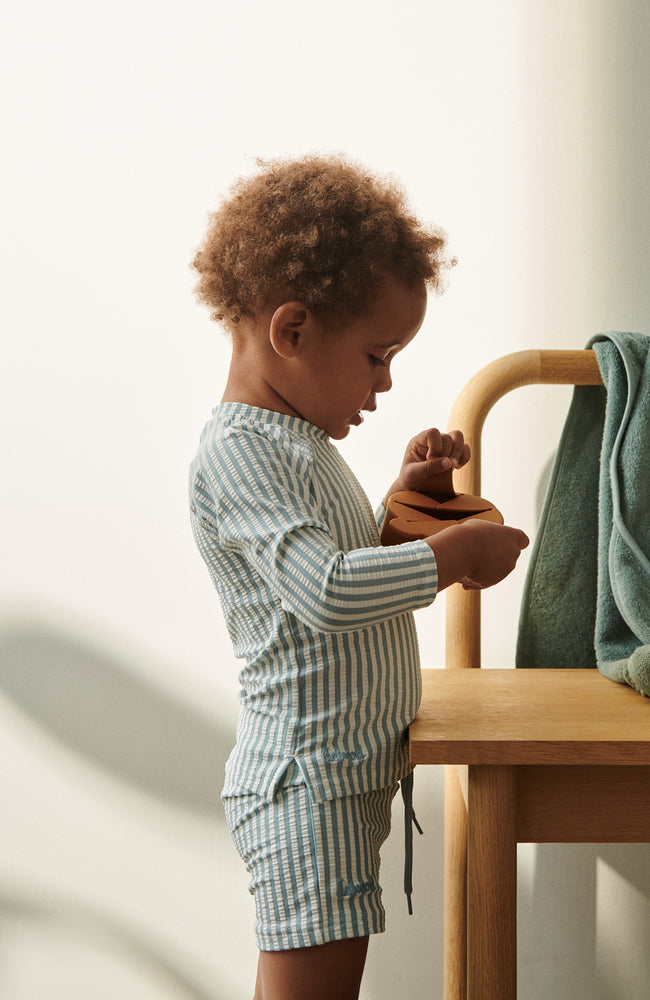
{"x": 384, "y": 380}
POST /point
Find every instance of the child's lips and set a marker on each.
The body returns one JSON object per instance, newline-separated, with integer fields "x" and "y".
{"x": 357, "y": 419}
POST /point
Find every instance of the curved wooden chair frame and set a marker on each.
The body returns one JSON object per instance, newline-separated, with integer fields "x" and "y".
{"x": 520, "y": 768}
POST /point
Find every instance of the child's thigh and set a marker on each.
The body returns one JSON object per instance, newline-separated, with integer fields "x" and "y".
{"x": 319, "y": 973}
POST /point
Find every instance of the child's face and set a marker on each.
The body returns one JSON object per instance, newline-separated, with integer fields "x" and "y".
{"x": 345, "y": 369}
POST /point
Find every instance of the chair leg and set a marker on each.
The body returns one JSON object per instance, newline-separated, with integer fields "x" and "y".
{"x": 455, "y": 892}
{"x": 492, "y": 884}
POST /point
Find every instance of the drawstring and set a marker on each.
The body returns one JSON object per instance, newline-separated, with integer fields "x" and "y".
{"x": 410, "y": 821}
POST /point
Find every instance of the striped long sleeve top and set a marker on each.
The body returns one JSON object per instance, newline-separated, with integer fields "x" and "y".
{"x": 319, "y": 612}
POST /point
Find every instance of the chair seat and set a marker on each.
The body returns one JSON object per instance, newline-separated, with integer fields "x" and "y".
{"x": 529, "y": 717}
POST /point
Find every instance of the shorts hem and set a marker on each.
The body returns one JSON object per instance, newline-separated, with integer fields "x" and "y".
{"x": 291, "y": 940}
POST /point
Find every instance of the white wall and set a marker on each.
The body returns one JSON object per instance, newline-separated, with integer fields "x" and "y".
{"x": 520, "y": 128}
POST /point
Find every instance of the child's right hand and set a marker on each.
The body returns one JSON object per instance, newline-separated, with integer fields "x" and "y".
{"x": 476, "y": 554}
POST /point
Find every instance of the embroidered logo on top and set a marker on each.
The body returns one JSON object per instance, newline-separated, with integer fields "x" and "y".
{"x": 334, "y": 756}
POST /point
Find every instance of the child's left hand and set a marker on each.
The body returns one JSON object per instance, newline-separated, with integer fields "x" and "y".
{"x": 428, "y": 454}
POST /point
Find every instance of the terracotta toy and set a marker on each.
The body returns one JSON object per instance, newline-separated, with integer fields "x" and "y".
{"x": 434, "y": 507}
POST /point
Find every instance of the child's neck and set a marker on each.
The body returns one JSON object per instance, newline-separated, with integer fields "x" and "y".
{"x": 248, "y": 383}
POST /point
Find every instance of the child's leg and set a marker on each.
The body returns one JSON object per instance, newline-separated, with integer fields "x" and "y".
{"x": 315, "y": 878}
{"x": 325, "y": 972}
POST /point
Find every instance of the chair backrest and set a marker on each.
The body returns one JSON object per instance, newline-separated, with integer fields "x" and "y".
{"x": 463, "y": 611}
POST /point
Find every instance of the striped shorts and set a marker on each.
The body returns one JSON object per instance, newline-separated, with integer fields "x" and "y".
{"x": 314, "y": 867}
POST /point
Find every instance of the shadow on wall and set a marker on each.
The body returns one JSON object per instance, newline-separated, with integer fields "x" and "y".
{"x": 104, "y": 712}
{"x": 114, "y": 718}
{"x": 591, "y": 903}
{"x": 76, "y": 944}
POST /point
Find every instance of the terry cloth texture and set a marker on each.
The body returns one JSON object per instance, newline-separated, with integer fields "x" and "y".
{"x": 586, "y": 598}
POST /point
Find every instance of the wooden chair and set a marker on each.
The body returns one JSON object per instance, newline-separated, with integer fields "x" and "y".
{"x": 534, "y": 756}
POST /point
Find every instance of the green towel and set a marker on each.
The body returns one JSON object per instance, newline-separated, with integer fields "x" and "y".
{"x": 586, "y": 598}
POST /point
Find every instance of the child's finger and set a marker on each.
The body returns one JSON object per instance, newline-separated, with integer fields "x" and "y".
{"x": 434, "y": 443}
{"x": 451, "y": 445}
{"x": 460, "y": 452}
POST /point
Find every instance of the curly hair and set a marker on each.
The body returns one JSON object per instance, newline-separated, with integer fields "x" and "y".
{"x": 321, "y": 230}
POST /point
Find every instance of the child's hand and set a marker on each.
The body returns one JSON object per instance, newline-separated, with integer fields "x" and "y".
{"x": 428, "y": 454}
{"x": 476, "y": 554}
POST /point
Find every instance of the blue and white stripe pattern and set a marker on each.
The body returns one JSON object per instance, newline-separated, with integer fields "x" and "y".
{"x": 318, "y": 610}
{"x": 314, "y": 867}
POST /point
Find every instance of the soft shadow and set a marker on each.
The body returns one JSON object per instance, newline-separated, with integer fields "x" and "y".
{"x": 542, "y": 485}
{"x": 558, "y": 922}
{"x": 105, "y": 712}
{"x": 631, "y": 862}
{"x": 123, "y": 943}
{"x": 625, "y": 194}
{"x": 557, "y": 925}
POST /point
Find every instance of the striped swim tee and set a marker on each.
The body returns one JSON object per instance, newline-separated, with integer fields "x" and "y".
{"x": 319, "y": 612}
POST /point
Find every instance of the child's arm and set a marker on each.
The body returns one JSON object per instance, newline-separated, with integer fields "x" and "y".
{"x": 255, "y": 496}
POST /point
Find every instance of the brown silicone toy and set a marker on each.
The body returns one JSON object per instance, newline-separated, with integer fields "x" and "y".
{"x": 434, "y": 507}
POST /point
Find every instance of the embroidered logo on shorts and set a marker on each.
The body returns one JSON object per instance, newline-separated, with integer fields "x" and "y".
{"x": 355, "y": 888}
{"x": 334, "y": 756}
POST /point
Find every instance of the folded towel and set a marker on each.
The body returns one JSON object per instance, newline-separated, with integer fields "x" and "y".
{"x": 586, "y": 598}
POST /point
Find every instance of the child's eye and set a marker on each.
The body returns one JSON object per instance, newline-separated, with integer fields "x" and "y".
{"x": 376, "y": 362}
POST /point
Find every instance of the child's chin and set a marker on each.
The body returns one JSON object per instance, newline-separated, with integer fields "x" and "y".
{"x": 343, "y": 429}
{"x": 338, "y": 433}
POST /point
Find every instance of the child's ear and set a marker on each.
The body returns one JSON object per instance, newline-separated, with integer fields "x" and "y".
{"x": 287, "y": 329}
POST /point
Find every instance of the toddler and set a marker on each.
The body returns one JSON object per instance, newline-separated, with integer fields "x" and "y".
{"x": 319, "y": 273}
